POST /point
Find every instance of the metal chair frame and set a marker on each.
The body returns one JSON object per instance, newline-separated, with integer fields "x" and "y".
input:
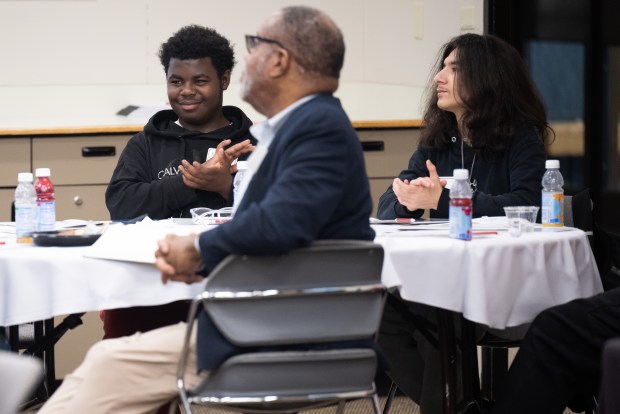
{"x": 272, "y": 297}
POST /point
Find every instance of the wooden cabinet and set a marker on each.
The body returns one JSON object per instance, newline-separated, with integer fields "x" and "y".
{"x": 86, "y": 202}
{"x": 14, "y": 158}
{"x": 386, "y": 154}
{"x": 76, "y": 160}
{"x": 81, "y": 167}
{"x": 6, "y": 199}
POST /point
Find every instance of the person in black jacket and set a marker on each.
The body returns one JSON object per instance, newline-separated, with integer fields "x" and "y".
{"x": 483, "y": 114}
{"x": 182, "y": 159}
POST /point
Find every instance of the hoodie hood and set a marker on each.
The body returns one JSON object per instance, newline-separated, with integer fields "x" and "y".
{"x": 163, "y": 125}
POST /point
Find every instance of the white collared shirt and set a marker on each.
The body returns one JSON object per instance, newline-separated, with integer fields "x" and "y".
{"x": 264, "y": 134}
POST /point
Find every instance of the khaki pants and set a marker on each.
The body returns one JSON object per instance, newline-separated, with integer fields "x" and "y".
{"x": 133, "y": 374}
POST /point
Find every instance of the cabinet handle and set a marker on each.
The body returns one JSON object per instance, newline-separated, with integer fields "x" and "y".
{"x": 98, "y": 151}
{"x": 78, "y": 200}
{"x": 373, "y": 146}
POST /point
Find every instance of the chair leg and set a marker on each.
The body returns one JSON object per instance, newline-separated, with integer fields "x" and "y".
{"x": 340, "y": 408}
{"x": 390, "y": 398}
{"x": 186, "y": 406}
{"x": 376, "y": 406}
{"x": 447, "y": 350}
{"x": 494, "y": 371}
{"x": 471, "y": 380}
{"x": 174, "y": 406}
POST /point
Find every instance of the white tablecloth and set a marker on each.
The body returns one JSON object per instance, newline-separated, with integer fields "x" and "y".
{"x": 496, "y": 280}
{"x": 39, "y": 282}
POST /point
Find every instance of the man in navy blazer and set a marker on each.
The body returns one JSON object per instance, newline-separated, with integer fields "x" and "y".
{"x": 306, "y": 181}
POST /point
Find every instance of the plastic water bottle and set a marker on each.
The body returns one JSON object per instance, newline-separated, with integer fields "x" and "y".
{"x": 552, "y": 195}
{"x": 461, "y": 206}
{"x": 242, "y": 167}
{"x": 25, "y": 207}
{"x": 45, "y": 200}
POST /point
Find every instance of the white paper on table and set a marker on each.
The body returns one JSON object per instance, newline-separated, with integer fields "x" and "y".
{"x": 490, "y": 223}
{"x": 137, "y": 242}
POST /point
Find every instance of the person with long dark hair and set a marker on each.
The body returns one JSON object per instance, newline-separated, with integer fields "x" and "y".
{"x": 484, "y": 114}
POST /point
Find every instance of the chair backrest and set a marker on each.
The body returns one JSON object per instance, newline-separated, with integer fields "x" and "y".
{"x": 578, "y": 211}
{"x": 330, "y": 291}
{"x": 18, "y": 377}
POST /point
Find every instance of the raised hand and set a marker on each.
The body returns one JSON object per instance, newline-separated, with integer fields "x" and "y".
{"x": 215, "y": 173}
{"x": 421, "y": 193}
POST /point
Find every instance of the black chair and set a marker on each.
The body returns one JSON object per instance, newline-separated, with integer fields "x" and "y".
{"x": 330, "y": 291}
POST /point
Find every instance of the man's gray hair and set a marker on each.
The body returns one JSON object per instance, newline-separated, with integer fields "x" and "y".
{"x": 313, "y": 39}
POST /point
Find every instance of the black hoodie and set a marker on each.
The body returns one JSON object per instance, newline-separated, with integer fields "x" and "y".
{"x": 146, "y": 179}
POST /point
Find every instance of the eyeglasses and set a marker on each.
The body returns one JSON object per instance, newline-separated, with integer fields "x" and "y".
{"x": 252, "y": 41}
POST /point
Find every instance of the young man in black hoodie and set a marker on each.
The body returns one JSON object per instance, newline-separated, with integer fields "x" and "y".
{"x": 183, "y": 157}
{"x": 155, "y": 174}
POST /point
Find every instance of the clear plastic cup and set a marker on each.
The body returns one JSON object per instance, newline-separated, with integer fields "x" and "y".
{"x": 521, "y": 219}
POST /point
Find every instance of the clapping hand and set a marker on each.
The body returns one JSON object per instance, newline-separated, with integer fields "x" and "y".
{"x": 215, "y": 173}
{"x": 421, "y": 193}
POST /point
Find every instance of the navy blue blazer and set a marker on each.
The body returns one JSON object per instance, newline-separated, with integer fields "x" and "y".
{"x": 311, "y": 185}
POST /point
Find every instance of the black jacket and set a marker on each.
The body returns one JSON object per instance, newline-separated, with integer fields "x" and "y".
{"x": 512, "y": 178}
{"x": 147, "y": 180}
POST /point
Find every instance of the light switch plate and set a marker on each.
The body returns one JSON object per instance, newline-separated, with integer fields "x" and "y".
{"x": 418, "y": 21}
{"x": 467, "y": 18}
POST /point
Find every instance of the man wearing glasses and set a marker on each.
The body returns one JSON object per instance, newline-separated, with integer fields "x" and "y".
{"x": 306, "y": 181}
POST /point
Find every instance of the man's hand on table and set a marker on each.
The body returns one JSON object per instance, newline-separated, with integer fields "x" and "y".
{"x": 178, "y": 260}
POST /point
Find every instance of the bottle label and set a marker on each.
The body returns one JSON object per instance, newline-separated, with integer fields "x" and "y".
{"x": 25, "y": 219}
{"x": 47, "y": 215}
{"x": 552, "y": 209}
{"x": 460, "y": 221}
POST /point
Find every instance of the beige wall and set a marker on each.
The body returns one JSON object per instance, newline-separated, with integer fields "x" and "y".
{"x": 112, "y": 42}
{"x": 63, "y": 51}
{"x": 72, "y": 347}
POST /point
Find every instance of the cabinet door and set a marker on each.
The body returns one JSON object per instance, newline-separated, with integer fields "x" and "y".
{"x": 387, "y": 151}
{"x": 386, "y": 154}
{"x": 86, "y": 202}
{"x": 377, "y": 188}
{"x": 6, "y": 198}
{"x": 78, "y": 159}
{"x": 14, "y": 158}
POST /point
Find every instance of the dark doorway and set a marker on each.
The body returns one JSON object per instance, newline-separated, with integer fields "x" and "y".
{"x": 573, "y": 51}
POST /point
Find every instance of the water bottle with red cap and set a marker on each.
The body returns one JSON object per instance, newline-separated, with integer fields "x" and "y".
{"x": 461, "y": 206}
{"x": 46, "y": 202}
